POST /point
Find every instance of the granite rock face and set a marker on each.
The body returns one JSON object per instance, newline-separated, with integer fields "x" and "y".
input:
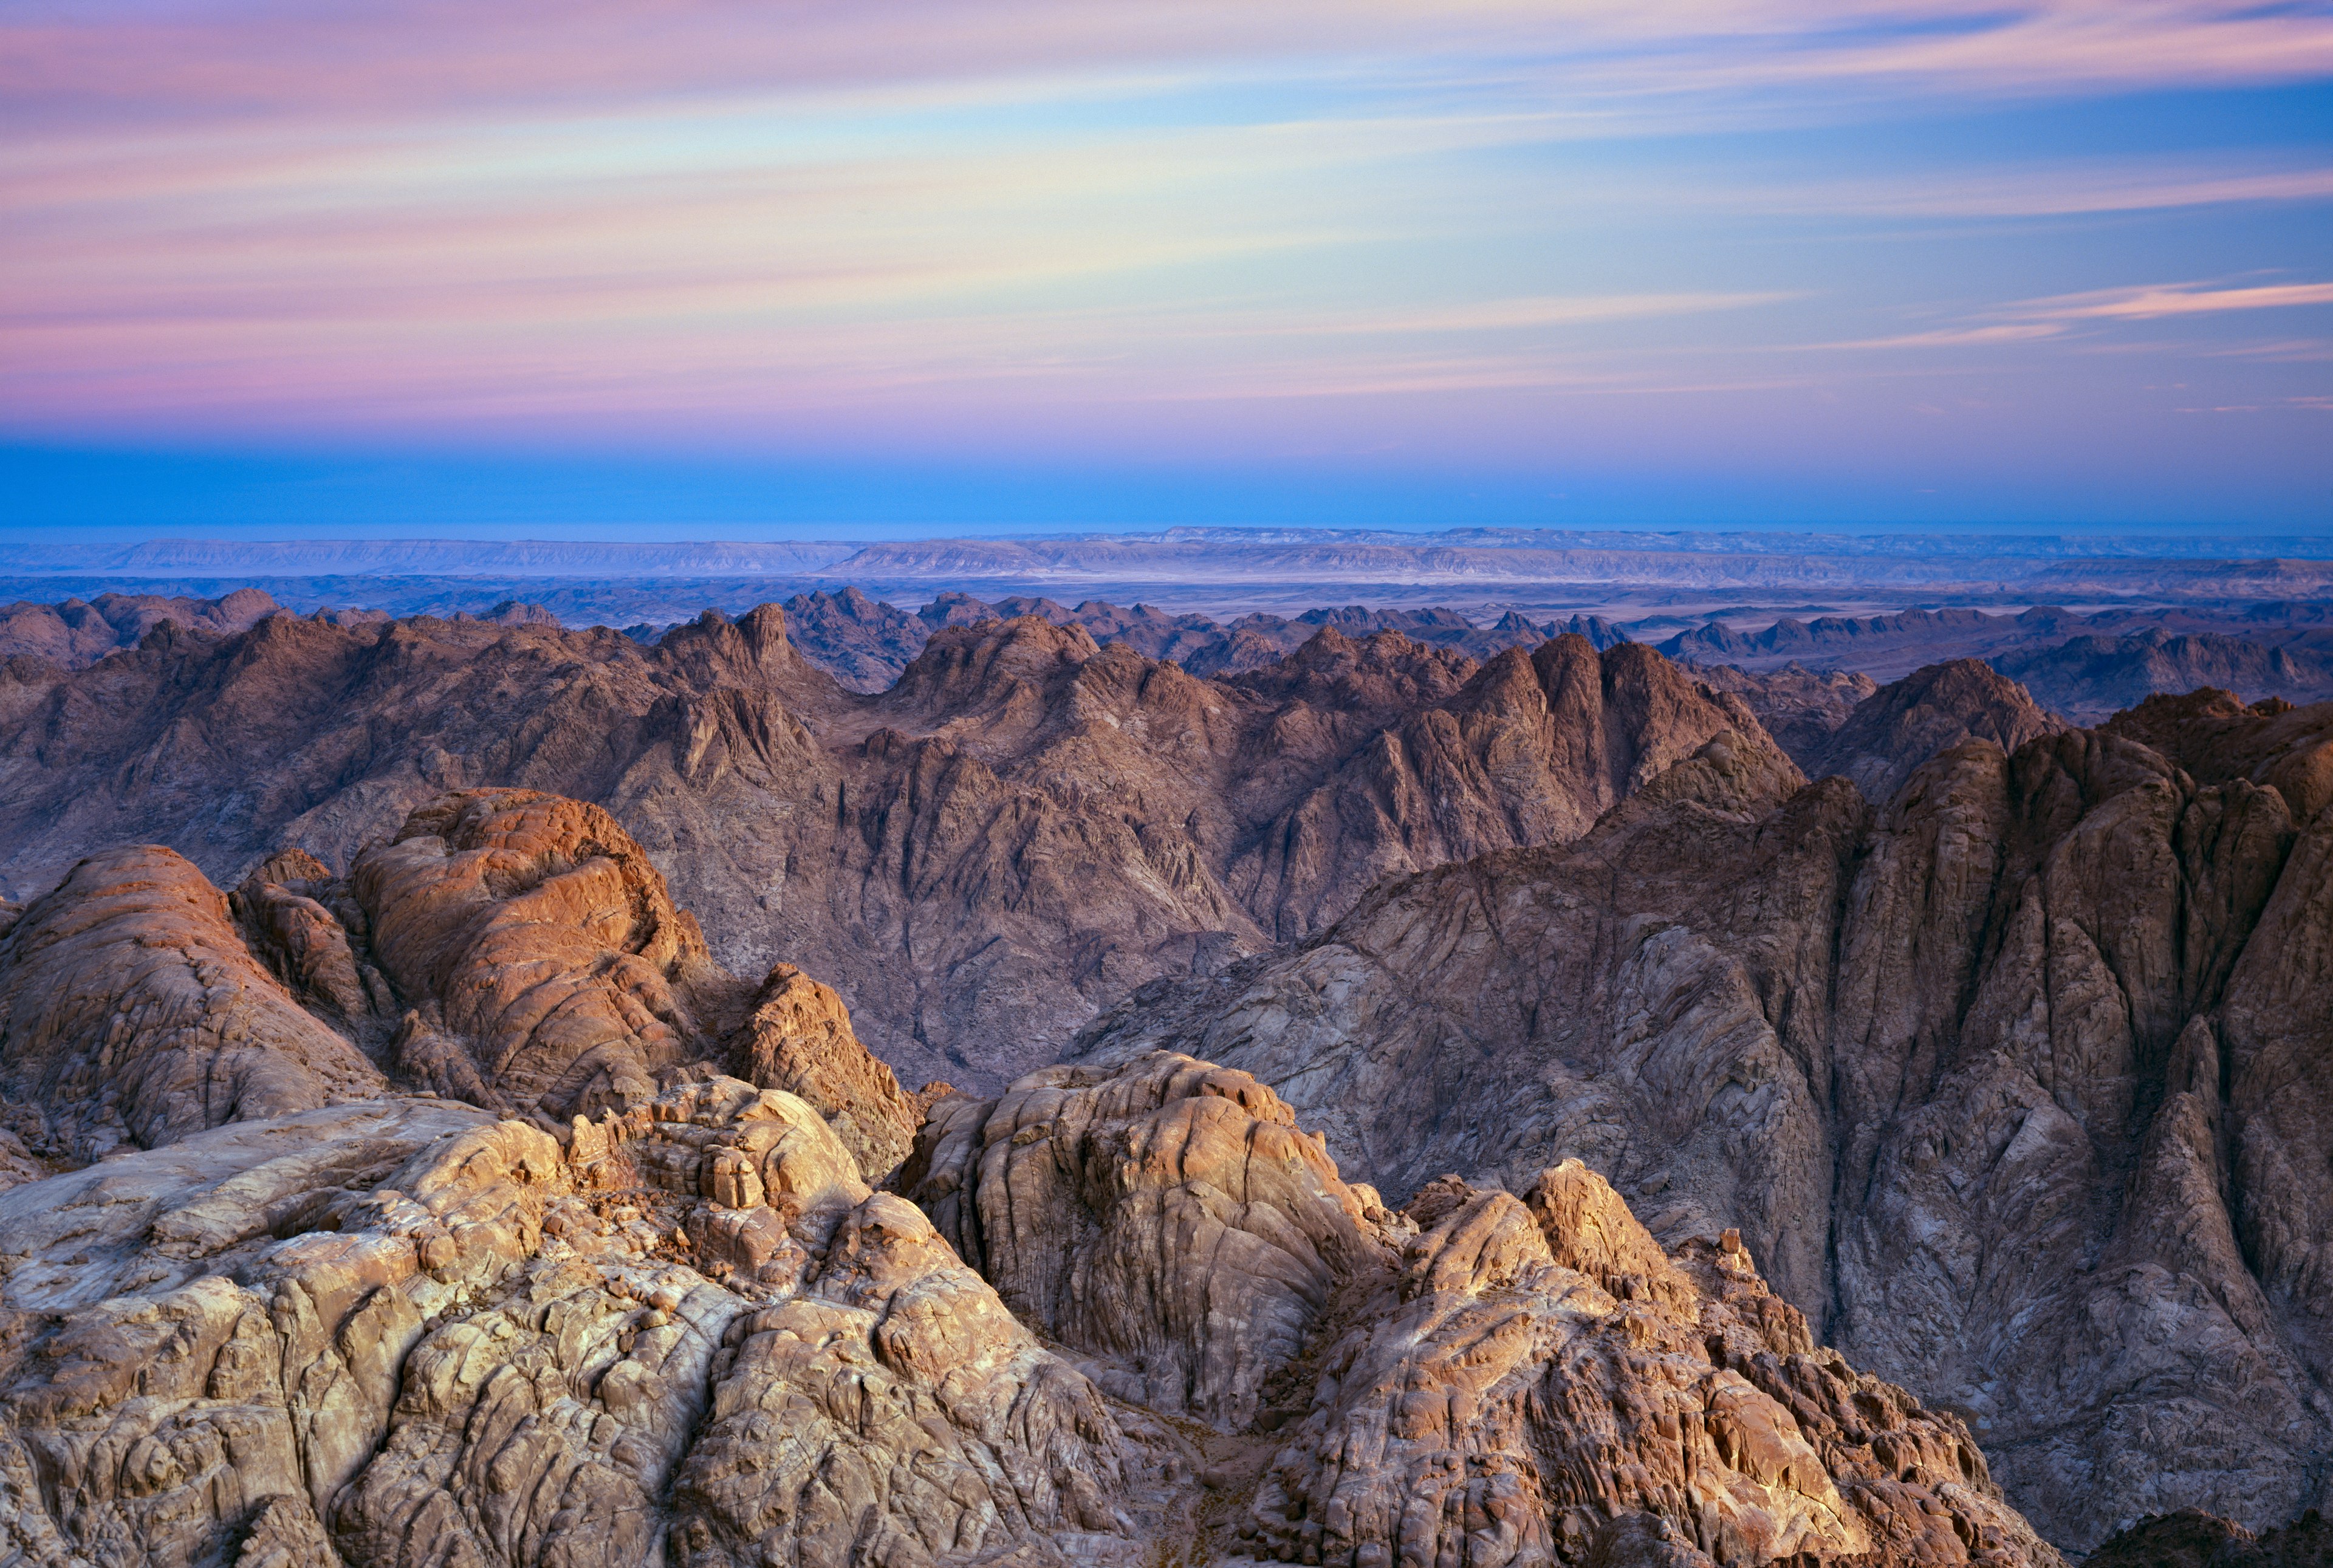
{"x": 1838, "y": 722}
{"x": 1169, "y": 1216}
{"x": 543, "y": 1285}
{"x": 1535, "y": 1379}
{"x": 507, "y": 948}
{"x": 1483, "y": 1379}
{"x": 75, "y": 634}
{"x": 797, "y": 1037}
{"x": 466, "y": 1341}
{"x": 131, "y": 1015}
{"x": 2192, "y": 1538}
{"x": 1026, "y": 825}
{"x": 2093, "y": 677}
{"x": 538, "y": 939}
{"x": 866, "y": 644}
{"x": 2017, "y": 1082}
{"x": 1801, "y": 708}
{"x": 401, "y": 1332}
{"x": 463, "y": 1207}
{"x": 1895, "y": 729}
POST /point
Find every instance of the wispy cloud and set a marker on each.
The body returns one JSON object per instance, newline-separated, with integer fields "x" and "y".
{"x": 237, "y": 58}
{"x": 1514, "y": 315}
{"x": 2030, "y": 321}
{"x": 2155, "y": 301}
{"x": 1957, "y": 337}
{"x": 899, "y": 222}
{"x": 2050, "y": 190}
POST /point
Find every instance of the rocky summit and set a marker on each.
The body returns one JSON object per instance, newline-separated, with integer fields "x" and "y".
{"x": 462, "y": 1210}
{"x": 2020, "y": 1084}
{"x": 1378, "y": 1107}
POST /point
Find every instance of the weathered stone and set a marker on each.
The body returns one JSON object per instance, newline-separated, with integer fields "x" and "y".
{"x": 797, "y": 1037}
{"x": 445, "y": 1338}
{"x": 1169, "y": 1216}
{"x": 131, "y": 1015}
{"x": 1481, "y": 1379}
{"x": 2016, "y": 1085}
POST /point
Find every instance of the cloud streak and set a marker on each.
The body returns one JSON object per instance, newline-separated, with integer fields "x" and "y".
{"x": 1475, "y": 229}
{"x": 100, "y": 61}
{"x": 2153, "y": 302}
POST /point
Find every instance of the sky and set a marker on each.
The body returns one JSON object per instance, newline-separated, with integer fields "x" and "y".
{"x": 810, "y": 268}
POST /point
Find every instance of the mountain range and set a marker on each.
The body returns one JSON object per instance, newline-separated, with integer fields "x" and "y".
{"x": 1390, "y": 1097}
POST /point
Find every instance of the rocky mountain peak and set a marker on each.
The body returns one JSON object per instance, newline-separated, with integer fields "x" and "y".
{"x": 751, "y": 651}
{"x": 1900, "y": 726}
{"x": 2001, "y": 1082}
{"x": 987, "y": 664}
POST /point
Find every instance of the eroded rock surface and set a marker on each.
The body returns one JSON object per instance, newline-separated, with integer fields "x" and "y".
{"x": 797, "y": 1037}
{"x": 1170, "y": 1216}
{"x": 75, "y": 634}
{"x": 132, "y": 1015}
{"x": 1482, "y": 1379}
{"x": 1022, "y": 828}
{"x": 867, "y": 645}
{"x": 1897, "y": 728}
{"x": 1801, "y": 708}
{"x": 1537, "y": 1381}
{"x": 2010, "y": 1081}
{"x": 508, "y": 948}
{"x": 424, "y": 1336}
{"x": 533, "y": 930}
{"x": 2092, "y": 678}
{"x": 2192, "y": 1538}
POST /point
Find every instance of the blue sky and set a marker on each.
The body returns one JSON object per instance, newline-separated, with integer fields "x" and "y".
{"x": 809, "y": 268}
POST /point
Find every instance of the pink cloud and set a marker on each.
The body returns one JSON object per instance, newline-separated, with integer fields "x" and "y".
{"x": 62, "y": 65}
{"x": 2156, "y": 301}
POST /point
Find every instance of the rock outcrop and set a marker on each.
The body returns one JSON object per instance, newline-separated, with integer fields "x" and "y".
{"x": 1801, "y": 708}
{"x": 2012, "y": 1081}
{"x": 132, "y": 1015}
{"x": 1169, "y": 1216}
{"x": 1481, "y": 1379}
{"x": 1836, "y": 722}
{"x": 2192, "y": 1538}
{"x": 2093, "y": 677}
{"x": 797, "y": 1037}
{"x": 534, "y": 935}
{"x": 74, "y": 634}
{"x": 508, "y": 948}
{"x": 1022, "y": 828}
{"x": 1895, "y": 729}
{"x": 1535, "y": 1379}
{"x": 305, "y": 924}
{"x": 402, "y": 1332}
{"x": 867, "y": 645}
